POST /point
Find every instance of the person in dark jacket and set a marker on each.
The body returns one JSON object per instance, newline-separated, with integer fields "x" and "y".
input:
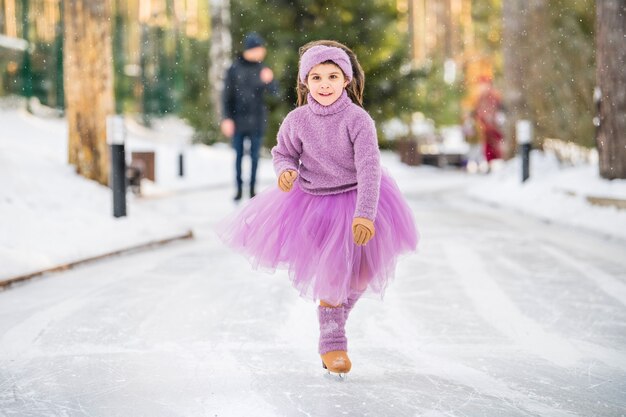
{"x": 244, "y": 112}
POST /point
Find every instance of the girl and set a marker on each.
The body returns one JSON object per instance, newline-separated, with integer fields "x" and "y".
{"x": 335, "y": 221}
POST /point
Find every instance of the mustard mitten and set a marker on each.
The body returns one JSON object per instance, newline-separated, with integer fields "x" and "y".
{"x": 286, "y": 180}
{"x": 363, "y": 230}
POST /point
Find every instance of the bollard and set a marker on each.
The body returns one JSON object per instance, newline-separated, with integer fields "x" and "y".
{"x": 118, "y": 179}
{"x": 181, "y": 171}
{"x": 116, "y": 138}
{"x": 523, "y": 133}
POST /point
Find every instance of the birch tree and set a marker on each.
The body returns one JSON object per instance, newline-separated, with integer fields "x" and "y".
{"x": 220, "y": 50}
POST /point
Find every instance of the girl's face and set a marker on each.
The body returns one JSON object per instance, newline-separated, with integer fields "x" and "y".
{"x": 326, "y": 83}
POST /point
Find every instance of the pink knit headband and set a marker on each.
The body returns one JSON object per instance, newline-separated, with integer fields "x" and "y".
{"x": 320, "y": 53}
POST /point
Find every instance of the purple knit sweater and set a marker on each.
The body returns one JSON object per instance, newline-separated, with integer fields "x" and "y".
{"x": 334, "y": 149}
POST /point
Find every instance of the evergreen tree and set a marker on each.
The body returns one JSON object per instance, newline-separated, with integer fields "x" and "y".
{"x": 196, "y": 101}
{"x": 561, "y": 79}
{"x": 370, "y": 29}
{"x": 549, "y": 67}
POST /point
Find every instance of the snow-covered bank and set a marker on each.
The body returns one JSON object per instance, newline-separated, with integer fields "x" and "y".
{"x": 556, "y": 193}
{"x": 51, "y": 216}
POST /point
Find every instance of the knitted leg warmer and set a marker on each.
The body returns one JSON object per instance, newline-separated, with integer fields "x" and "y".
{"x": 332, "y": 329}
{"x": 349, "y": 305}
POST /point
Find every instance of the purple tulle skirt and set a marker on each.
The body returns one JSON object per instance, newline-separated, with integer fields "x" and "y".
{"x": 311, "y": 237}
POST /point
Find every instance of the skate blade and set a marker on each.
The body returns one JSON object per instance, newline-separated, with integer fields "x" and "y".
{"x": 333, "y": 376}
{"x": 342, "y": 376}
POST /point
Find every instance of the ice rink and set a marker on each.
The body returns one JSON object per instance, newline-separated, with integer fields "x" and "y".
{"x": 496, "y": 315}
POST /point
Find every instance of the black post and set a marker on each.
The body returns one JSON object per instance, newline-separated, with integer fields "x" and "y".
{"x": 524, "y": 136}
{"x": 26, "y": 72}
{"x": 118, "y": 179}
{"x": 525, "y": 150}
{"x": 181, "y": 166}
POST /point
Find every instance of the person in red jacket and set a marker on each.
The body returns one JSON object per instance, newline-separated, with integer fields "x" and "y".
{"x": 488, "y": 114}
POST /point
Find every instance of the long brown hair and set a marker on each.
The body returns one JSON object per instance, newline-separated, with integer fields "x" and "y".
{"x": 357, "y": 84}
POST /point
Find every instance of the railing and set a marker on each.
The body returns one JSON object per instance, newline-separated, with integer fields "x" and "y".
{"x": 569, "y": 153}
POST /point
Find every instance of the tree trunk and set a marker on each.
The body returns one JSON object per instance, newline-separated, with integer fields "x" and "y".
{"x": 219, "y": 54}
{"x": 611, "y": 80}
{"x": 539, "y": 64}
{"x": 88, "y": 81}
{"x": 515, "y": 51}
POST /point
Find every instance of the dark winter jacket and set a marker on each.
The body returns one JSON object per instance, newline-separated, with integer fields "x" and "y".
{"x": 243, "y": 96}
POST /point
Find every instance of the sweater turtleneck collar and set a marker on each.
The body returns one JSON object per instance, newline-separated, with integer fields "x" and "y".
{"x": 341, "y": 103}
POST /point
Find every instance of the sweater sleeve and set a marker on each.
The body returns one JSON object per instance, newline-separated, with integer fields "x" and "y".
{"x": 367, "y": 163}
{"x": 286, "y": 153}
{"x": 228, "y": 95}
{"x": 272, "y": 88}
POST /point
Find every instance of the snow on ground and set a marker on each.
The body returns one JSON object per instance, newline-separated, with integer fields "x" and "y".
{"x": 556, "y": 194}
{"x": 51, "y": 216}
